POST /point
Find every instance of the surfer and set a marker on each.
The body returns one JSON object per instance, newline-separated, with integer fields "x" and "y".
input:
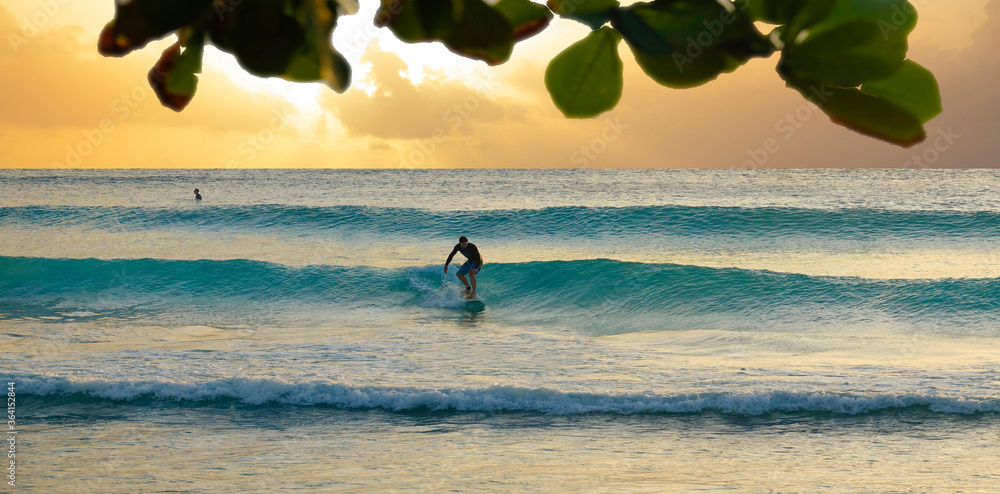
{"x": 473, "y": 264}
{"x": 197, "y": 195}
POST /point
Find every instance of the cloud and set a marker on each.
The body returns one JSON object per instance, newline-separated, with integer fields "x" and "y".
{"x": 401, "y": 109}
{"x": 503, "y": 120}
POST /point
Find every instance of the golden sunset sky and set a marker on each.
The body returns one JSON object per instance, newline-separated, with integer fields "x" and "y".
{"x": 63, "y": 105}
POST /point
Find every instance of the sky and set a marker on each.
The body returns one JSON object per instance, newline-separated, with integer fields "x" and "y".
{"x": 62, "y": 105}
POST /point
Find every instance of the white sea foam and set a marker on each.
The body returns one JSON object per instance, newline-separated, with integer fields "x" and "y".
{"x": 499, "y": 398}
{"x": 444, "y": 295}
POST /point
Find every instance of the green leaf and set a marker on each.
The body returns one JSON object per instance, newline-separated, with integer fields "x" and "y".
{"x": 912, "y": 88}
{"x": 526, "y": 18}
{"x": 308, "y": 66}
{"x": 483, "y": 34}
{"x": 851, "y": 43}
{"x": 470, "y": 28}
{"x": 138, "y": 22}
{"x": 893, "y": 17}
{"x": 848, "y": 42}
{"x": 174, "y": 77}
{"x": 875, "y": 117}
{"x": 577, "y": 7}
{"x": 316, "y": 59}
{"x": 594, "y": 13}
{"x": 864, "y": 113}
{"x": 647, "y": 34}
{"x": 688, "y": 43}
{"x": 261, "y": 35}
{"x": 284, "y": 38}
{"x": 586, "y": 79}
{"x": 773, "y": 11}
{"x": 680, "y": 71}
{"x": 413, "y": 21}
{"x": 810, "y": 13}
{"x": 847, "y": 55}
{"x": 183, "y": 77}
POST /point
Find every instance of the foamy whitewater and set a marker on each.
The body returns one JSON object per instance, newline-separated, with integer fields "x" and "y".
{"x": 642, "y": 331}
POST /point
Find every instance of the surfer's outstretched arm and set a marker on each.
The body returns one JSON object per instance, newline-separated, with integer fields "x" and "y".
{"x": 450, "y": 257}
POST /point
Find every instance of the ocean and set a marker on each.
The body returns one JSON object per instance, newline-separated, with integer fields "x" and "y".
{"x": 640, "y": 331}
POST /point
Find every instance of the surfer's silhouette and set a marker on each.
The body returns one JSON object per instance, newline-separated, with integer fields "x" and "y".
{"x": 473, "y": 264}
{"x": 197, "y": 195}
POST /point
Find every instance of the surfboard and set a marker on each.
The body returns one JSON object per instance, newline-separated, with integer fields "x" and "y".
{"x": 473, "y": 305}
{"x": 472, "y": 302}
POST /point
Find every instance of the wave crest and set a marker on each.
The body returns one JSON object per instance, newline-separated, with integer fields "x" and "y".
{"x": 259, "y": 392}
{"x": 605, "y": 295}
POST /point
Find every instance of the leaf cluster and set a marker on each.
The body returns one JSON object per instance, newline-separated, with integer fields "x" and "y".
{"x": 846, "y": 56}
{"x": 271, "y": 38}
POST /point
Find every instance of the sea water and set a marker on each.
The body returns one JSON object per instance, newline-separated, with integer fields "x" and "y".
{"x": 643, "y": 331}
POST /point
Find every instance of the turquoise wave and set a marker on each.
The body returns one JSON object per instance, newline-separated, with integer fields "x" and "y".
{"x": 585, "y": 222}
{"x": 603, "y": 295}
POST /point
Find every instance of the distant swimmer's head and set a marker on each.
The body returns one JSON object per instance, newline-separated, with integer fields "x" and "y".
{"x": 463, "y": 241}
{"x": 196, "y": 194}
